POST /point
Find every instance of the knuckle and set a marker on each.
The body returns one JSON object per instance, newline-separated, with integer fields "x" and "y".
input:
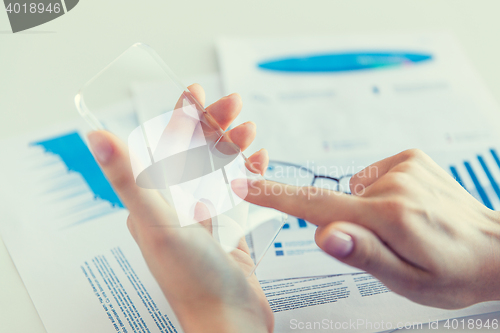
{"x": 405, "y": 167}
{"x": 412, "y": 154}
{"x": 397, "y": 181}
{"x": 394, "y": 209}
{"x": 122, "y": 181}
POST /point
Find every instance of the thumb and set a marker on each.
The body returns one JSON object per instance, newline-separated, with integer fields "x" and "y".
{"x": 359, "y": 247}
{"x": 144, "y": 204}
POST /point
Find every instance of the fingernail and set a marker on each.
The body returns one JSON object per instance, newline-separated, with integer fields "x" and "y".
{"x": 201, "y": 212}
{"x": 338, "y": 244}
{"x": 266, "y": 165}
{"x": 233, "y": 94}
{"x": 240, "y": 187}
{"x": 100, "y": 146}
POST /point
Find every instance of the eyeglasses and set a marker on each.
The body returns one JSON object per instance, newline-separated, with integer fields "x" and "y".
{"x": 297, "y": 175}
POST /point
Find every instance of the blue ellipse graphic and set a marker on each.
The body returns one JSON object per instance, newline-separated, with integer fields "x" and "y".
{"x": 343, "y": 62}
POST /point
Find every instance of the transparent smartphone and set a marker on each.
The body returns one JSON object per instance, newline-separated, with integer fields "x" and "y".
{"x": 176, "y": 148}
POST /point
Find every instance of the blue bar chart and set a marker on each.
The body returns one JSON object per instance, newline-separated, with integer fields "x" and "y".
{"x": 77, "y": 158}
{"x": 476, "y": 170}
{"x": 82, "y": 190}
{"x": 480, "y": 176}
{"x": 293, "y": 226}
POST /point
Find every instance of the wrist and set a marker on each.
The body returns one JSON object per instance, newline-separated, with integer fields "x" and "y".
{"x": 490, "y": 270}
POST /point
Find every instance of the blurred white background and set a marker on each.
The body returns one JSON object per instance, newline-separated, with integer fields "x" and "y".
{"x": 41, "y": 69}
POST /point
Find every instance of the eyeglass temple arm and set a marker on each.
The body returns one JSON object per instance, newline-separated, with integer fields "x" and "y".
{"x": 326, "y": 177}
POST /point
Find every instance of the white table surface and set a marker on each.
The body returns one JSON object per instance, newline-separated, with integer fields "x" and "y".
{"x": 41, "y": 69}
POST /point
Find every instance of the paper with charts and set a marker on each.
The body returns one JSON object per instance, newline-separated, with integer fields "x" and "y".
{"x": 66, "y": 232}
{"x": 384, "y": 94}
{"x": 337, "y": 104}
{"x": 65, "y": 229}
